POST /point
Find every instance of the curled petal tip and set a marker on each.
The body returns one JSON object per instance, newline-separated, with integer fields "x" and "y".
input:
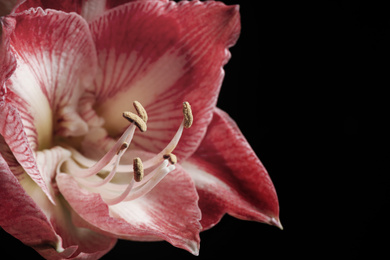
{"x": 276, "y": 222}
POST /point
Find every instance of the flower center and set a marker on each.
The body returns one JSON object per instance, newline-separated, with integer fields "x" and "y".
{"x": 122, "y": 182}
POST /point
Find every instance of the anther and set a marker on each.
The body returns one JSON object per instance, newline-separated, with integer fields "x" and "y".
{"x": 122, "y": 147}
{"x": 171, "y": 158}
{"x": 138, "y": 169}
{"x": 141, "y": 111}
{"x": 188, "y": 118}
{"x": 133, "y": 118}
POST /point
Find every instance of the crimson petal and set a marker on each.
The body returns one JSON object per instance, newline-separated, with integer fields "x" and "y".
{"x": 230, "y": 178}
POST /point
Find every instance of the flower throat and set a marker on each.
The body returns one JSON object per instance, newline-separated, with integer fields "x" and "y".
{"x": 135, "y": 180}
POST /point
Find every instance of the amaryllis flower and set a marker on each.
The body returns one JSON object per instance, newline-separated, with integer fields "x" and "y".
{"x": 109, "y": 126}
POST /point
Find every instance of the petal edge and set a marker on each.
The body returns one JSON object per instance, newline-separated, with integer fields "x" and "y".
{"x": 229, "y": 176}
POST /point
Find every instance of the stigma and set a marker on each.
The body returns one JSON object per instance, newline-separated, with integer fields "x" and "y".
{"x": 117, "y": 182}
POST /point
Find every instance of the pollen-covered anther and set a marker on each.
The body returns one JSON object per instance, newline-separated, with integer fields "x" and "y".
{"x": 188, "y": 118}
{"x": 133, "y": 118}
{"x": 171, "y": 158}
{"x": 138, "y": 169}
{"x": 123, "y": 147}
{"x": 141, "y": 111}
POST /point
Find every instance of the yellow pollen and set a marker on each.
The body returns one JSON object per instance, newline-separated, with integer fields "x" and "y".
{"x": 188, "y": 118}
{"x": 138, "y": 169}
{"x": 141, "y": 111}
{"x": 133, "y": 118}
{"x": 123, "y": 147}
{"x": 171, "y": 158}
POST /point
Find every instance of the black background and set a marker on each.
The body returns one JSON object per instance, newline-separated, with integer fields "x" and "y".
{"x": 314, "y": 77}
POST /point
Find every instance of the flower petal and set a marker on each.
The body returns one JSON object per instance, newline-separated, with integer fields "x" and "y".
{"x": 72, "y": 241}
{"x": 89, "y": 9}
{"x": 65, "y": 5}
{"x": 230, "y": 178}
{"x": 168, "y": 212}
{"x": 7, "y": 59}
{"x": 166, "y": 54}
{"x": 56, "y": 59}
{"x": 12, "y": 130}
{"x": 81, "y": 242}
{"x": 88, "y": 243}
{"x": 22, "y": 218}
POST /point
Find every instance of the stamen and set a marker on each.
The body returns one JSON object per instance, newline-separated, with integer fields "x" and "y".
{"x": 188, "y": 118}
{"x": 105, "y": 160}
{"x": 157, "y": 175}
{"x": 140, "y": 183}
{"x": 187, "y": 122}
{"x": 121, "y": 197}
{"x": 133, "y": 118}
{"x": 129, "y": 194}
{"x": 113, "y": 171}
{"x": 167, "y": 150}
{"x": 138, "y": 169}
{"x": 141, "y": 111}
{"x": 171, "y": 158}
{"x": 124, "y": 146}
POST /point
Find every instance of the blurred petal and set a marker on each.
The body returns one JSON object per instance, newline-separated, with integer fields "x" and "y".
{"x": 166, "y": 54}
{"x": 230, "y": 178}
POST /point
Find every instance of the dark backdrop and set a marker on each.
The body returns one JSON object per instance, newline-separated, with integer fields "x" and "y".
{"x": 315, "y": 77}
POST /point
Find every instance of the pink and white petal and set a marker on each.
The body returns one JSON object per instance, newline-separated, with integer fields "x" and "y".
{"x": 169, "y": 212}
{"x": 90, "y": 244}
{"x": 166, "y": 54}
{"x": 21, "y": 217}
{"x": 92, "y": 9}
{"x": 7, "y": 59}
{"x": 230, "y": 178}
{"x": 79, "y": 242}
{"x": 65, "y": 5}
{"x": 56, "y": 59}
{"x": 12, "y": 130}
{"x": 82, "y": 242}
{"x": 88, "y": 9}
{"x": 48, "y": 162}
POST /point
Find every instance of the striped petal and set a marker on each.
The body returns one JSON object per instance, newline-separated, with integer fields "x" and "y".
{"x": 49, "y": 220}
{"x": 168, "y": 212}
{"x": 12, "y": 130}
{"x": 88, "y": 9}
{"x": 7, "y": 59}
{"x": 166, "y": 54}
{"x": 230, "y": 178}
{"x": 43, "y": 87}
{"x": 23, "y": 218}
{"x": 56, "y": 59}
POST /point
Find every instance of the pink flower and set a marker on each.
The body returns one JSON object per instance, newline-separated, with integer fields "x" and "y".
{"x": 74, "y": 174}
